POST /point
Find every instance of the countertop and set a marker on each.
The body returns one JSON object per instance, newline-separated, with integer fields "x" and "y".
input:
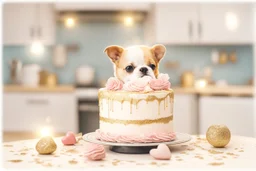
{"x": 20, "y": 88}
{"x": 209, "y": 90}
{"x": 217, "y": 90}
{"x": 197, "y": 153}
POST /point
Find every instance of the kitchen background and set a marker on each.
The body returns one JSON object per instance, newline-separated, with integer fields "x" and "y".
{"x": 209, "y": 59}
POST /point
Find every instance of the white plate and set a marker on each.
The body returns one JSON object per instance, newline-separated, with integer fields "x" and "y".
{"x": 180, "y": 138}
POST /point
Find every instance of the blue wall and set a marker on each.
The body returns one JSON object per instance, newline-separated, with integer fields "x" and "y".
{"x": 92, "y": 38}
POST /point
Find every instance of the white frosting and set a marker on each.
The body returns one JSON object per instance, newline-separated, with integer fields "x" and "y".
{"x": 143, "y": 110}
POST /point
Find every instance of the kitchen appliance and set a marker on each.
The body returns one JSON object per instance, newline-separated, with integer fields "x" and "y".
{"x": 30, "y": 75}
{"x": 15, "y": 71}
{"x": 84, "y": 75}
{"x": 88, "y": 109}
{"x": 187, "y": 79}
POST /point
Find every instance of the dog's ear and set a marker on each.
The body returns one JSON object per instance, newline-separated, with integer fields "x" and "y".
{"x": 158, "y": 51}
{"x": 114, "y": 52}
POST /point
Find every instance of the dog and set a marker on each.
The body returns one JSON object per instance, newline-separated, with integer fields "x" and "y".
{"x": 135, "y": 62}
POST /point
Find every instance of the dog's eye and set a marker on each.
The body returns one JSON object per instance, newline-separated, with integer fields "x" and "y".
{"x": 129, "y": 68}
{"x": 152, "y": 66}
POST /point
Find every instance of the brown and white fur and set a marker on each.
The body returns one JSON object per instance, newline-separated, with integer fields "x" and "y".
{"x": 136, "y": 61}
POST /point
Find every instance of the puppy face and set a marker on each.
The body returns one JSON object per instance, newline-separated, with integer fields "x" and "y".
{"x": 135, "y": 62}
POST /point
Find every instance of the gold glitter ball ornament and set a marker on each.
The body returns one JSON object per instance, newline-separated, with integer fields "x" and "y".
{"x": 46, "y": 145}
{"x": 218, "y": 135}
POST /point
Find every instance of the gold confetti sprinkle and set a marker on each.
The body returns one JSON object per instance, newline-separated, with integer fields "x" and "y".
{"x": 11, "y": 151}
{"x": 71, "y": 151}
{"x": 56, "y": 156}
{"x": 241, "y": 151}
{"x": 23, "y": 154}
{"x": 38, "y": 161}
{"x": 153, "y": 163}
{"x": 179, "y": 159}
{"x": 218, "y": 158}
{"x": 231, "y": 154}
{"x": 215, "y": 152}
{"x": 224, "y": 156}
{"x": 199, "y": 157}
{"x": 216, "y": 163}
{"x": 236, "y": 148}
{"x": 190, "y": 149}
{"x": 25, "y": 149}
{"x": 183, "y": 152}
{"x": 47, "y": 164}
{"x": 15, "y": 161}
{"x": 115, "y": 162}
{"x": 177, "y": 156}
{"x": 164, "y": 164}
{"x": 8, "y": 145}
{"x": 33, "y": 155}
{"x": 72, "y": 161}
{"x": 131, "y": 161}
{"x": 139, "y": 164}
{"x": 102, "y": 165}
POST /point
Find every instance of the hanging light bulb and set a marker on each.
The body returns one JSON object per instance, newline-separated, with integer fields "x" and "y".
{"x": 37, "y": 48}
{"x": 128, "y": 21}
{"x": 70, "y": 22}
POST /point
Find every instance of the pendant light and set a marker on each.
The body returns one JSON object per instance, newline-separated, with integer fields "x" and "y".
{"x": 37, "y": 48}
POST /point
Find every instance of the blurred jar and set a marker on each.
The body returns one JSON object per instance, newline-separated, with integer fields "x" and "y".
{"x": 187, "y": 79}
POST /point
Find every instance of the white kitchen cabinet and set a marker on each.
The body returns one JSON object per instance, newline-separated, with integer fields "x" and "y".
{"x": 179, "y": 23}
{"x": 29, "y": 112}
{"x": 24, "y": 22}
{"x": 234, "y": 112}
{"x": 123, "y": 6}
{"x": 226, "y": 23}
{"x": 176, "y": 23}
{"x": 185, "y": 113}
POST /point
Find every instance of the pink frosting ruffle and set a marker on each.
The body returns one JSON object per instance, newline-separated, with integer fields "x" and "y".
{"x": 95, "y": 152}
{"x": 114, "y": 84}
{"x": 161, "y": 83}
{"x": 154, "y": 137}
{"x": 137, "y": 85}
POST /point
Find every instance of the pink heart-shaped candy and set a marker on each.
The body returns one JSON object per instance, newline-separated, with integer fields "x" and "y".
{"x": 162, "y": 152}
{"x": 69, "y": 139}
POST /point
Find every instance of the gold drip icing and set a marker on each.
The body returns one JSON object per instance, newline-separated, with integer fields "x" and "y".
{"x": 123, "y": 96}
{"x": 138, "y": 122}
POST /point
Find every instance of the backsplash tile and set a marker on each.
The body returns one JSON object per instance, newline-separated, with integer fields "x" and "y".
{"x": 92, "y": 38}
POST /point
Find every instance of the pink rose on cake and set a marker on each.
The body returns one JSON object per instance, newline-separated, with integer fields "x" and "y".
{"x": 161, "y": 83}
{"x": 137, "y": 85}
{"x": 114, "y": 84}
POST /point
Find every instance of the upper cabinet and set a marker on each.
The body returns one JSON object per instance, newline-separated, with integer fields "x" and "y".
{"x": 226, "y": 23}
{"x": 170, "y": 23}
{"x": 175, "y": 23}
{"x": 24, "y": 22}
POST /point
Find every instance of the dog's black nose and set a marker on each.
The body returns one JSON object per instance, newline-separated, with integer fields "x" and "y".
{"x": 144, "y": 70}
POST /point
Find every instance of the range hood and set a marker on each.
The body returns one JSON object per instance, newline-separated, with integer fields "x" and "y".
{"x": 101, "y": 16}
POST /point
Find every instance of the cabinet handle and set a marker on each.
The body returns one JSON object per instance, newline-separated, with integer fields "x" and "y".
{"x": 190, "y": 29}
{"x": 37, "y": 101}
{"x": 200, "y": 30}
{"x": 32, "y": 32}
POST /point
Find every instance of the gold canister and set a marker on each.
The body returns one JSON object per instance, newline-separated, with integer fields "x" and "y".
{"x": 187, "y": 79}
{"x": 51, "y": 80}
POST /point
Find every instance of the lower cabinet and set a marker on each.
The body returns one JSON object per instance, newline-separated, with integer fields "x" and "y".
{"x": 235, "y": 112}
{"x": 185, "y": 113}
{"x": 29, "y": 112}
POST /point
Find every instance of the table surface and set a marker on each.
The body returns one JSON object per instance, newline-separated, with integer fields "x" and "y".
{"x": 197, "y": 153}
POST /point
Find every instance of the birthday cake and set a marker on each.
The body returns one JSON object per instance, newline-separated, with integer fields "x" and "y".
{"x": 139, "y": 111}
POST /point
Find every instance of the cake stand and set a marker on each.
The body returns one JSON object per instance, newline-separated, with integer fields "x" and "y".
{"x": 135, "y": 148}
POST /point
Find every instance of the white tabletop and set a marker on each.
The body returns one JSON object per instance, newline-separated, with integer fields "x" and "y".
{"x": 240, "y": 152}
